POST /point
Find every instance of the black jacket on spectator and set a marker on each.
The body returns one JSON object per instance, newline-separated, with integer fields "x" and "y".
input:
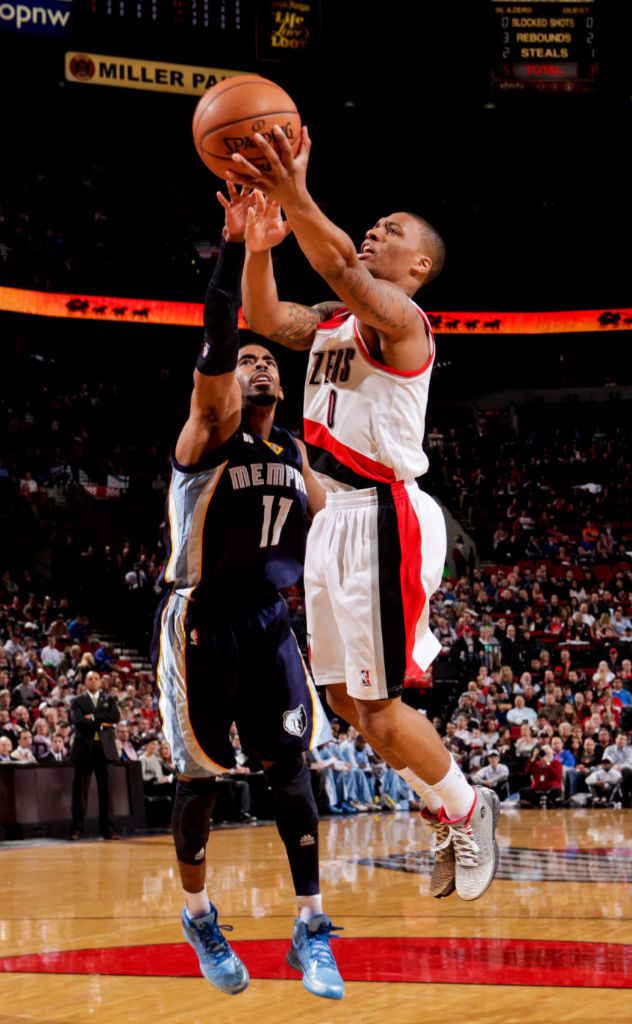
{"x": 51, "y": 759}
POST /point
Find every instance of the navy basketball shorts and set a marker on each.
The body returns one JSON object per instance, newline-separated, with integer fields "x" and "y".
{"x": 374, "y": 558}
{"x": 217, "y": 667}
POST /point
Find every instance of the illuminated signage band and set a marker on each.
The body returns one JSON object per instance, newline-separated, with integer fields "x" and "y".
{"x": 190, "y": 314}
{"x": 130, "y": 73}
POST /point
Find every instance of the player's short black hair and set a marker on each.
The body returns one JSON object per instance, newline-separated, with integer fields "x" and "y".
{"x": 434, "y": 245}
{"x": 247, "y": 338}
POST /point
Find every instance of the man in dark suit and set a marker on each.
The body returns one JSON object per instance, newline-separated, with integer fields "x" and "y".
{"x": 57, "y": 752}
{"x": 93, "y": 714}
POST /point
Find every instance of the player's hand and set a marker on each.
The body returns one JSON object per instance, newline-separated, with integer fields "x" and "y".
{"x": 284, "y": 180}
{"x": 265, "y": 226}
{"x": 235, "y": 209}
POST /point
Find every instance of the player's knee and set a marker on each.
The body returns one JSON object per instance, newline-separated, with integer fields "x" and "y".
{"x": 291, "y": 785}
{"x": 191, "y": 820}
{"x": 378, "y": 723}
{"x": 341, "y": 703}
{"x": 287, "y": 773}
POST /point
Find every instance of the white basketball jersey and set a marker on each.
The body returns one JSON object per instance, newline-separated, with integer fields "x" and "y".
{"x": 363, "y": 421}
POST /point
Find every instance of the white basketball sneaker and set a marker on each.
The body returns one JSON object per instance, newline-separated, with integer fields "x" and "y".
{"x": 474, "y": 844}
{"x": 442, "y": 881}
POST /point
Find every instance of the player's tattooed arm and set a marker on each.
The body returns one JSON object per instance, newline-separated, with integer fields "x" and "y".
{"x": 387, "y": 308}
{"x": 296, "y": 326}
{"x": 297, "y": 329}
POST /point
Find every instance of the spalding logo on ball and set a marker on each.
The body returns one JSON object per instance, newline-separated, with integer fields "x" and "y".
{"x": 228, "y": 115}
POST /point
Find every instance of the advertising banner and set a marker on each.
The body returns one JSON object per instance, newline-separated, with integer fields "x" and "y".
{"x": 132, "y": 73}
{"x": 36, "y": 17}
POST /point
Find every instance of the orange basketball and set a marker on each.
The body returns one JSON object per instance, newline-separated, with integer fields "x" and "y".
{"x": 228, "y": 115}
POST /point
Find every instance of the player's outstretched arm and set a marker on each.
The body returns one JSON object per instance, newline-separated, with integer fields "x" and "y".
{"x": 215, "y": 410}
{"x": 287, "y": 323}
{"x": 331, "y": 252}
{"x": 316, "y": 494}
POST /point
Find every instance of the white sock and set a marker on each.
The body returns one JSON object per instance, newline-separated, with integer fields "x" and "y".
{"x": 421, "y": 788}
{"x": 309, "y": 905}
{"x": 197, "y": 904}
{"x": 454, "y": 792}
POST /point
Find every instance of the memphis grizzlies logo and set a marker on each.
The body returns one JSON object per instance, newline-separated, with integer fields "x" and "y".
{"x": 295, "y": 722}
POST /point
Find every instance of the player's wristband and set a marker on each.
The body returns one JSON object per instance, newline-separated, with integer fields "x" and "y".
{"x": 221, "y": 310}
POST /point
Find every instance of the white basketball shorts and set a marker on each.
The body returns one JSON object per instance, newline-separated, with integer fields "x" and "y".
{"x": 374, "y": 558}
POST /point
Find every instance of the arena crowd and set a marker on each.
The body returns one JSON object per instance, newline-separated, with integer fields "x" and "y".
{"x": 536, "y": 636}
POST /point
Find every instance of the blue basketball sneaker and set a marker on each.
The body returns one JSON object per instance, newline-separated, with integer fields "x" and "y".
{"x": 218, "y": 963}
{"x": 311, "y": 954}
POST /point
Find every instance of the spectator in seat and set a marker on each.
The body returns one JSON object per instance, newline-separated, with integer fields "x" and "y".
{"x": 525, "y": 743}
{"x": 586, "y": 762}
{"x": 565, "y": 758}
{"x": 620, "y": 755}
{"x": 154, "y": 776}
{"x": 551, "y": 709}
{"x": 505, "y": 743}
{"x": 78, "y": 630}
{"x": 104, "y": 657}
{"x": 51, "y": 655}
{"x": 58, "y": 629}
{"x": 57, "y": 753}
{"x": 126, "y": 750}
{"x": 23, "y": 753}
{"x": 166, "y": 758}
{"x": 41, "y": 738}
{"x": 494, "y": 775}
{"x": 489, "y": 734}
{"x": 602, "y": 782}
{"x": 546, "y": 779}
{"x": 469, "y": 651}
{"x": 521, "y": 713}
{"x": 619, "y": 691}
{"x": 5, "y": 750}
{"x": 603, "y": 676}
{"x": 529, "y": 692}
{"x": 604, "y": 739}
{"x": 510, "y": 651}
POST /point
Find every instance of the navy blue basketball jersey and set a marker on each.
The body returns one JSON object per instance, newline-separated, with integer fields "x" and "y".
{"x": 236, "y": 520}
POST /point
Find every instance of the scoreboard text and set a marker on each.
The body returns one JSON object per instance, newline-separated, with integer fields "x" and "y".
{"x": 544, "y": 46}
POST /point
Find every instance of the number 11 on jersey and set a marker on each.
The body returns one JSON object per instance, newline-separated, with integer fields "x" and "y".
{"x": 285, "y": 504}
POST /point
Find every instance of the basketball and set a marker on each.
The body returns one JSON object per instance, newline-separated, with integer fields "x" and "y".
{"x": 229, "y": 113}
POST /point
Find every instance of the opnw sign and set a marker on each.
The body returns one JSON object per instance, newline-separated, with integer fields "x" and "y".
{"x": 36, "y": 17}
{"x": 130, "y": 73}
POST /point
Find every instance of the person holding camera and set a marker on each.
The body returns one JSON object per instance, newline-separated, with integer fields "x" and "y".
{"x": 546, "y": 778}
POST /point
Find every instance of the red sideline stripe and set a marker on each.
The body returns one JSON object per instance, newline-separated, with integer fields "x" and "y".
{"x": 450, "y": 961}
{"x": 317, "y": 434}
{"x": 413, "y": 593}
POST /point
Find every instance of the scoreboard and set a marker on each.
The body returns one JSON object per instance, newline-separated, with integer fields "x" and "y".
{"x": 168, "y": 14}
{"x": 161, "y": 28}
{"x": 544, "y": 46}
{"x": 224, "y": 30}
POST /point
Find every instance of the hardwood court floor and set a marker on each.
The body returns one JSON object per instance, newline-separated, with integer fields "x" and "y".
{"x": 89, "y": 932}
